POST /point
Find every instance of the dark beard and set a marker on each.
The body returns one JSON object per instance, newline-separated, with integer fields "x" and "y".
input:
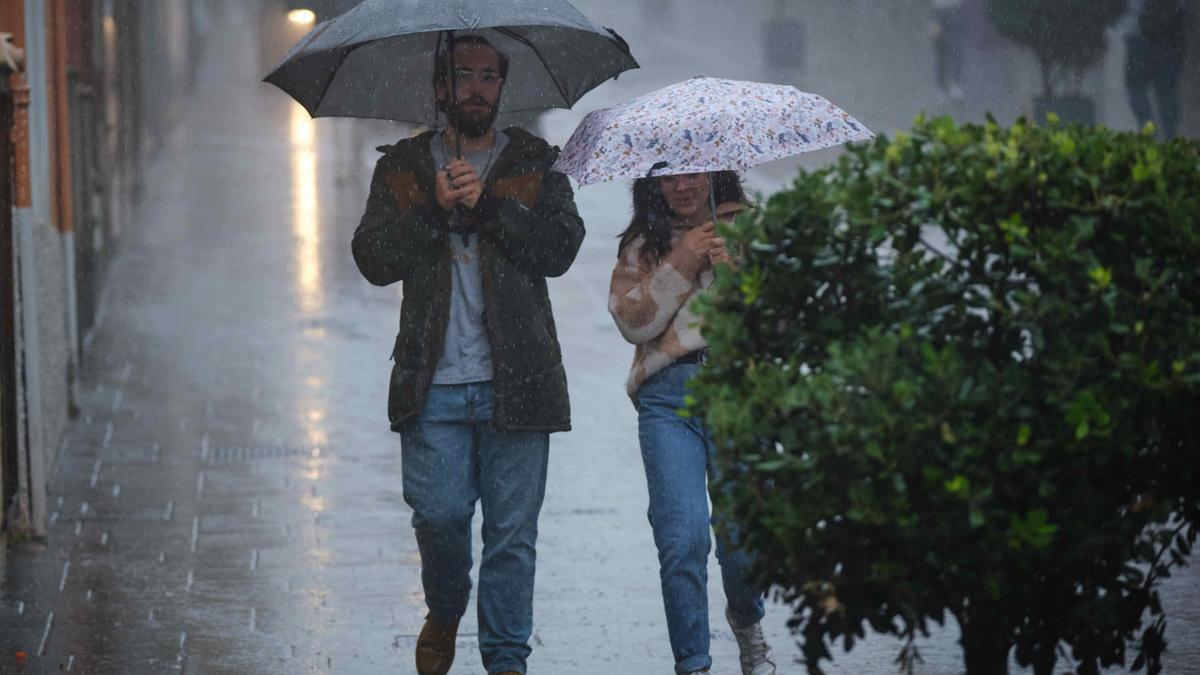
{"x": 472, "y": 127}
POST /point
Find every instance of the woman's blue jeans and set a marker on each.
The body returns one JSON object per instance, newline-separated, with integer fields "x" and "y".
{"x": 678, "y": 454}
{"x": 452, "y": 458}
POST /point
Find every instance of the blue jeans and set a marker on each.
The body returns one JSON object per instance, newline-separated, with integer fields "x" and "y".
{"x": 678, "y": 455}
{"x": 452, "y": 458}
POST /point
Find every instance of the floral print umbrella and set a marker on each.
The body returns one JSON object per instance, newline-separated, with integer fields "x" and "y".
{"x": 704, "y": 124}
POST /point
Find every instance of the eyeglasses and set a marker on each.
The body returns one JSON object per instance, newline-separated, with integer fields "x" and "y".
{"x": 488, "y": 78}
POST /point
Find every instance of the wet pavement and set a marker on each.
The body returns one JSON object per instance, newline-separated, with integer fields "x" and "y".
{"x": 229, "y": 501}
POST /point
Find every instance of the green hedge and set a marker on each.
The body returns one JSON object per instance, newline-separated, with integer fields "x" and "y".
{"x": 959, "y": 372}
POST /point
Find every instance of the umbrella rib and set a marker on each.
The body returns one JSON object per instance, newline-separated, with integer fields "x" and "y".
{"x": 436, "y": 49}
{"x": 525, "y": 41}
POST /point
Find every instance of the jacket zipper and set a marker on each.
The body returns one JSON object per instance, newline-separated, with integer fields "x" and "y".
{"x": 499, "y": 402}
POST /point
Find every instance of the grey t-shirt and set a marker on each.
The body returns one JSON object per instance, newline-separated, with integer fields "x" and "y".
{"x": 466, "y": 352}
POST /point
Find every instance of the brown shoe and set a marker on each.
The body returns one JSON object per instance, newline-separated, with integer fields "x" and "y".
{"x": 435, "y": 647}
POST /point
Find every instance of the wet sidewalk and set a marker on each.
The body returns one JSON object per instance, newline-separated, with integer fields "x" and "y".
{"x": 229, "y": 499}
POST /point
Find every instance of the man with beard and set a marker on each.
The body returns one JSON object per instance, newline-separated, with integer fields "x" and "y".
{"x": 478, "y": 383}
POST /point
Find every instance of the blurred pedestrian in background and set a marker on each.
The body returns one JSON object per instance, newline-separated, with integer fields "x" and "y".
{"x": 947, "y": 29}
{"x": 783, "y": 42}
{"x": 1155, "y": 51}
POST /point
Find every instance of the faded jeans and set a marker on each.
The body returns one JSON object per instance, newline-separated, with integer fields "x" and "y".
{"x": 451, "y": 459}
{"x": 678, "y": 456}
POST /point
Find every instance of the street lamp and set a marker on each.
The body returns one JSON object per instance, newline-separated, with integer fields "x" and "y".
{"x": 309, "y": 12}
{"x": 302, "y": 16}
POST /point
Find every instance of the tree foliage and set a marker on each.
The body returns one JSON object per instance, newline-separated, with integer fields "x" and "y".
{"x": 959, "y": 372}
{"x": 1067, "y": 36}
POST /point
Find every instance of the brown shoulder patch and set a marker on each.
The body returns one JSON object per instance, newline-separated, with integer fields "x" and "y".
{"x": 405, "y": 189}
{"x": 524, "y": 188}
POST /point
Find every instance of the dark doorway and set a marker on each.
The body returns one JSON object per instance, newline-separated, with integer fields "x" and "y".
{"x": 9, "y": 483}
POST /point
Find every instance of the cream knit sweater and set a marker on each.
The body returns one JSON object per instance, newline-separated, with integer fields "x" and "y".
{"x": 652, "y": 307}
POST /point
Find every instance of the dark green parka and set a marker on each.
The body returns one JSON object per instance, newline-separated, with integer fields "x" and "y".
{"x": 529, "y": 229}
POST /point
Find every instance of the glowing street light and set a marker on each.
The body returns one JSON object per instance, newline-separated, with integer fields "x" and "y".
{"x": 301, "y": 16}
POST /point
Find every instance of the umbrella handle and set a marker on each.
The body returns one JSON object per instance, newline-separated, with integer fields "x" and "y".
{"x": 454, "y": 91}
{"x": 712, "y": 199}
{"x": 460, "y": 213}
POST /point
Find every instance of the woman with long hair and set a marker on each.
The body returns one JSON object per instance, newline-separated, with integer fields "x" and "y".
{"x": 666, "y": 258}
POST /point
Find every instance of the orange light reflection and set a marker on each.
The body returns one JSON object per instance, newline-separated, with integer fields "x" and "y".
{"x": 305, "y": 209}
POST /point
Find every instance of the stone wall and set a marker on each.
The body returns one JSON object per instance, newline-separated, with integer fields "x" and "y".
{"x": 55, "y": 346}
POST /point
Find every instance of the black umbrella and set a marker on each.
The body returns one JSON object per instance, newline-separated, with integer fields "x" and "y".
{"x": 377, "y": 59}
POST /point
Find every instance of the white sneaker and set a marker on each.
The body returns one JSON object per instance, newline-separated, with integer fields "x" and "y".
{"x": 753, "y": 651}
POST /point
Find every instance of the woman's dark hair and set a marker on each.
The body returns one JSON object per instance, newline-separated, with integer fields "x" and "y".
{"x": 652, "y": 217}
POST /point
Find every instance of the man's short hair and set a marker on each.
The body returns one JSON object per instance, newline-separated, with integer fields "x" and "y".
{"x": 441, "y": 67}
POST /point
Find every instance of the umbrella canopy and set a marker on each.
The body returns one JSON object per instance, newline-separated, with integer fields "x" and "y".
{"x": 377, "y": 60}
{"x": 704, "y": 124}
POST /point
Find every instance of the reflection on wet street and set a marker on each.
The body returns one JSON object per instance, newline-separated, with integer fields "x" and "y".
{"x": 229, "y": 498}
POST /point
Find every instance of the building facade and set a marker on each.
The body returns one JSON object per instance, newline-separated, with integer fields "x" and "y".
{"x": 88, "y": 105}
